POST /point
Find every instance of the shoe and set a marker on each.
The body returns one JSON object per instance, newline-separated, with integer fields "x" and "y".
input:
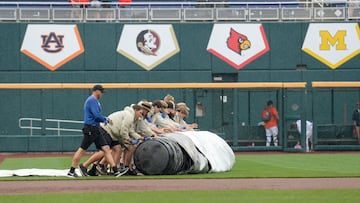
{"x": 121, "y": 172}
{"x": 83, "y": 170}
{"x": 100, "y": 168}
{"x": 92, "y": 171}
{"x": 134, "y": 172}
{"x": 72, "y": 175}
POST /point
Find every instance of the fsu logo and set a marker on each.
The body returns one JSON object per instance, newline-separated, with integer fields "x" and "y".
{"x": 141, "y": 44}
{"x": 148, "y": 42}
{"x": 52, "y": 43}
{"x": 238, "y": 42}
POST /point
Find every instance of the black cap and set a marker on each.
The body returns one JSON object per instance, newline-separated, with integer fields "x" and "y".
{"x": 270, "y": 103}
{"x": 98, "y": 87}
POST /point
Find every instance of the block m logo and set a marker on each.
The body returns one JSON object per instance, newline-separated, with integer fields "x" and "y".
{"x": 327, "y": 40}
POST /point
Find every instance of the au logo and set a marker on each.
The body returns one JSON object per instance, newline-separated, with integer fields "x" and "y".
{"x": 238, "y": 44}
{"x": 52, "y": 45}
{"x": 148, "y": 45}
{"x": 332, "y": 43}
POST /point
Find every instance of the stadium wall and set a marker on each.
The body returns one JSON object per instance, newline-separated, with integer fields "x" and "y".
{"x": 101, "y": 63}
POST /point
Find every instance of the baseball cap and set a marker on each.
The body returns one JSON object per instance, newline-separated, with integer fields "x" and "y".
{"x": 98, "y": 87}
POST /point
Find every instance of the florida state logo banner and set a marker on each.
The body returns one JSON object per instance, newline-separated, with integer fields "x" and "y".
{"x": 148, "y": 45}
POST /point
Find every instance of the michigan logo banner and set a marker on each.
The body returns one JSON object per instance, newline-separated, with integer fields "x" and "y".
{"x": 148, "y": 45}
{"x": 238, "y": 44}
{"x": 52, "y": 45}
{"x": 332, "y": 43}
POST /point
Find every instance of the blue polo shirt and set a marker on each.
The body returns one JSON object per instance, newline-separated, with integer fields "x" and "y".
{"x": 92, "y": 112}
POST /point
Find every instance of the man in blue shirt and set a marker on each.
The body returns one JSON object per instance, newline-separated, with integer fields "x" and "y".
{"x": 92, "y": 119}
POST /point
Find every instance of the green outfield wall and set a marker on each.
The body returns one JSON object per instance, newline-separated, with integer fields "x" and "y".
{"x": 232, "y": 113}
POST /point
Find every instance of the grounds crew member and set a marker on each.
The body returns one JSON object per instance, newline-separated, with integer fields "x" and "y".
{"x": 92, "y": 119}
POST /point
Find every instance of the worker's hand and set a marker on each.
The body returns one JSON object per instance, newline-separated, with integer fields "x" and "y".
{"x": 134, "y": 142}
{"x": 109, "y": 121}
{"x": 147, "y": 138}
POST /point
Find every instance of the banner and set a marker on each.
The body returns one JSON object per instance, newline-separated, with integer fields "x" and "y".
{"x": 148, "y": 45}
{"x": 332, "y": 43}
{"x": 52, "y": 45}
{"x": 238, "y": 44}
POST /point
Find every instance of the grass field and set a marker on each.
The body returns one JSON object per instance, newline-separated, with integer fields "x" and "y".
{"x": 247, "y": 166}
{"x": 238, "y": 196}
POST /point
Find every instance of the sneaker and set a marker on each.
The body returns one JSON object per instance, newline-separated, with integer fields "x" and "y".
{"x": 121, "y": 172}
{"x": 72, "y": 175}
{"x": 92, "y": 171}
{"x": 83, "y": 170}
{"x": 134, "y": 172}
{"x": 101, "y": 169}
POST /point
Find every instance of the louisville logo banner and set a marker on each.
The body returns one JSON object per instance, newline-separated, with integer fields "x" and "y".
{"x": 148, "y": 45}
{"x": 238, "y": 44}
{"x": 332, "y": 43}
{"x": 52, "y": 45}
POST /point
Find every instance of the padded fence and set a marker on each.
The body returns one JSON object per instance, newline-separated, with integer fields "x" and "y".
{"x": 231, "y": 110}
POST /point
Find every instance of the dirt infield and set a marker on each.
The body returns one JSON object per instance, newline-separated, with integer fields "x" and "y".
{"x": 74, "y": 186}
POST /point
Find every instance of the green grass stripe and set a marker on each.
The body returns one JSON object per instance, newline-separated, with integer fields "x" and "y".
{"x": 247, "y": 166}
{"x": 235, "y": 196}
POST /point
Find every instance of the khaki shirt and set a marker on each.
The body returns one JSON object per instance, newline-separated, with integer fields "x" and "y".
{"x": 159, "y": 121}
{"x": 123, "y": 125}
{"x": 142, "y": 127}
{"x": 179, "y": 120}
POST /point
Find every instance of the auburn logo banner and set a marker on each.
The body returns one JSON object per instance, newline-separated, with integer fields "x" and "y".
{"x": 52, "y": 45}
{"x": 332, "y": 43}
{"x": 238, "y": 44}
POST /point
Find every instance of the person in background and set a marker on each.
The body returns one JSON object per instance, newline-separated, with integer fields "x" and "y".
{"x": 270, "y": 116}
{"x": 79, "y": 3}
{"x": 107, "y": 3}
{"x": 356, "y": 120}
{"x": 124, "y": 3}
{"x": 309, "y": 133}
{"x": 160, "y": 113}
{"x": 182, "y": 111}
{"x": 143, "y": 126}
{"x": 168, "y": 98}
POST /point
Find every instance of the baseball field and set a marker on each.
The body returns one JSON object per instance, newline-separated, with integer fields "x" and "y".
{"x": 256, "y": 177}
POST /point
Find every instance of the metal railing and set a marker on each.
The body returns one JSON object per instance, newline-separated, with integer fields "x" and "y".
{"x": 315, "y": 10}
{"x": 42, "y": 126}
